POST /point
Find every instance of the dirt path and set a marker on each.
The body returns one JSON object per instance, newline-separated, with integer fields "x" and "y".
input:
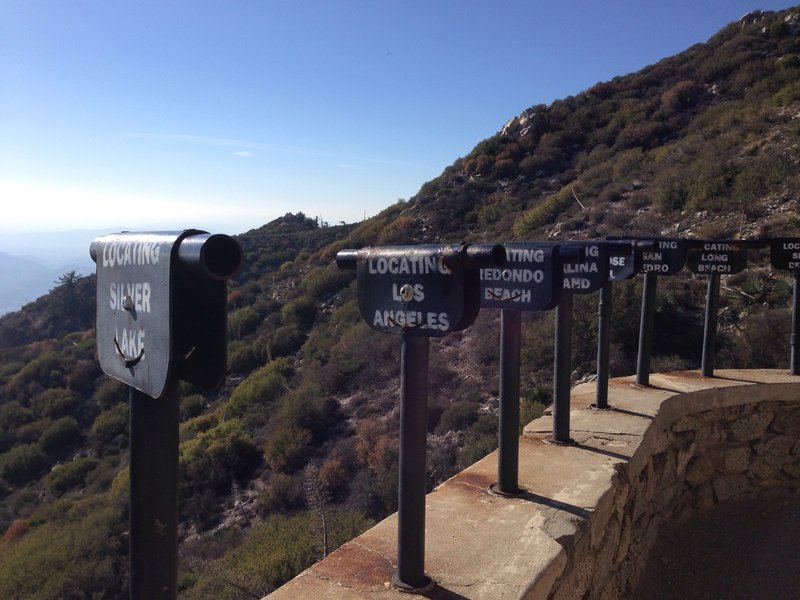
{"x": 741, "y": 549}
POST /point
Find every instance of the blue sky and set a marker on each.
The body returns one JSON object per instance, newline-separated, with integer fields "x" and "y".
{"x": 225, "y": 115}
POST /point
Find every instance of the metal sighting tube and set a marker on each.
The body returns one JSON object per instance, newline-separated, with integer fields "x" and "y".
{"x": 215, "y": 255}
{"x": 795, "y": 334}
{"x": 508, "y": 429}
{"x": 563, "y": 370}
{"x": 411, "y": 493}
{"x": 710, "y": 325}
{"x": 604, "y": 308}
{"x": 154, "y": 495}
{"x": 646, "y": 329}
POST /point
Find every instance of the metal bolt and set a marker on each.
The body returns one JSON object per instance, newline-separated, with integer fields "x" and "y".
{"x": 407, "y": 293}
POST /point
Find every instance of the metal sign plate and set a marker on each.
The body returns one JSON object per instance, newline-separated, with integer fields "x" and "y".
{"x": 410, "y": 290}
{"x": 666, "y": 258}
{"x": 784, "y": 253}
{"x": 134, "y": 308}
{"x": 591, "y": 272}
{"x": 624, "y": 261}
{"x": 530, "y": 279}
{"x": 721, "y": 257}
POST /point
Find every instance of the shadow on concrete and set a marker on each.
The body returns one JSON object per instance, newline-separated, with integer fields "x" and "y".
{"x": 736, "y": 379}
{"x": 632, "y": 413}
{"x": 664, "y": 389}
{"x": 551, "y": 503}
{"x": 440, "y": 593}
{"x": 603, "y": 452}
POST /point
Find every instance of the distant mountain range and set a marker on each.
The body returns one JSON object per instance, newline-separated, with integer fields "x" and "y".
{"x": 26, "y": 278}
{"x": 31, "y": 263}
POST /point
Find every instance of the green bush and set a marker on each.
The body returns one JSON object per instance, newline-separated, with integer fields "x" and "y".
{"x": 22, "y": 463}
{"x": 543, "y": 213}
{"x": 271, "y": 554}
{"x": 301, "y": 310}
{"x": 458, "y": 416}
{"x": 110, "y": 393}
{"x": 285, "y": 340}
{"x": 216, "y": 458}
{"x": 505, "y": 169}
{"x": 308, "y": 408}
{"x": 60, "y": 436}
{"x": 13, "y": 414}
{"x": 281, "y": 495}
{"x": 70, "y": 475}
{"x": 259, "y": 390}
{"x": 288, "y": 447}
{"x": 197, "y": 424}
{"x": 46, "y": 371}
{"x": 78, "y": 554}
{"x": 243, "y": 321}
{"x": 242, "y": 356}
{"x": 111, "y": 423}
{"x": 54, "y": 402}
{"x": 324, "y": 281}
{"x": 191, "y": 406}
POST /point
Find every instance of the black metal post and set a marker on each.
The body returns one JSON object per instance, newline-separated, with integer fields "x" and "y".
{"x": 508, "y": 429}
{"x": 710, "y": 325}
{"x": 795, "y": 334}
{"x": 563, "y": 370}
{"x": 646, "y": 329}
{"x": 604, "y": 308}
{"x": 154, "y": 495}
{"x": 410, "y": 573}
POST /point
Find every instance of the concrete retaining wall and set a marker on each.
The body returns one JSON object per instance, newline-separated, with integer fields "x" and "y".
{"x": 590, "y": 512}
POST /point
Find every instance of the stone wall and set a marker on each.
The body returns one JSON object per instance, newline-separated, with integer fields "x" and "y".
{"x": 690, "y": 464}
{"x": 590, "y": 512}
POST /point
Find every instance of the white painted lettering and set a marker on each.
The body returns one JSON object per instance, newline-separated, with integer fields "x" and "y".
{"x": 712, "y": 246}
{"x": 654, "y": 268}
{"x": 416, "y": 265}
{"x": 714, "y": 257}
{"x": 535, "y": 255}
{"x": 572, "y": 268}
{"x": 400, "y": 318}
{"x": 576, "y": 283}
{"x": 121, "y": 254}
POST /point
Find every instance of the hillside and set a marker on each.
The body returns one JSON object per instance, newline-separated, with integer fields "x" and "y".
{"x": 704, "y": 144}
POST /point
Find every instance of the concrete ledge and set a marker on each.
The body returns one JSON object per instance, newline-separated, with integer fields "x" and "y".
{"x": 590, "y": 512}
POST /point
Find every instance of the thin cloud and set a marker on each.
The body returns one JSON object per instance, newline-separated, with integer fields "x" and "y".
{"x": 192, "y": 139}
{"x": 251, "y": 145}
